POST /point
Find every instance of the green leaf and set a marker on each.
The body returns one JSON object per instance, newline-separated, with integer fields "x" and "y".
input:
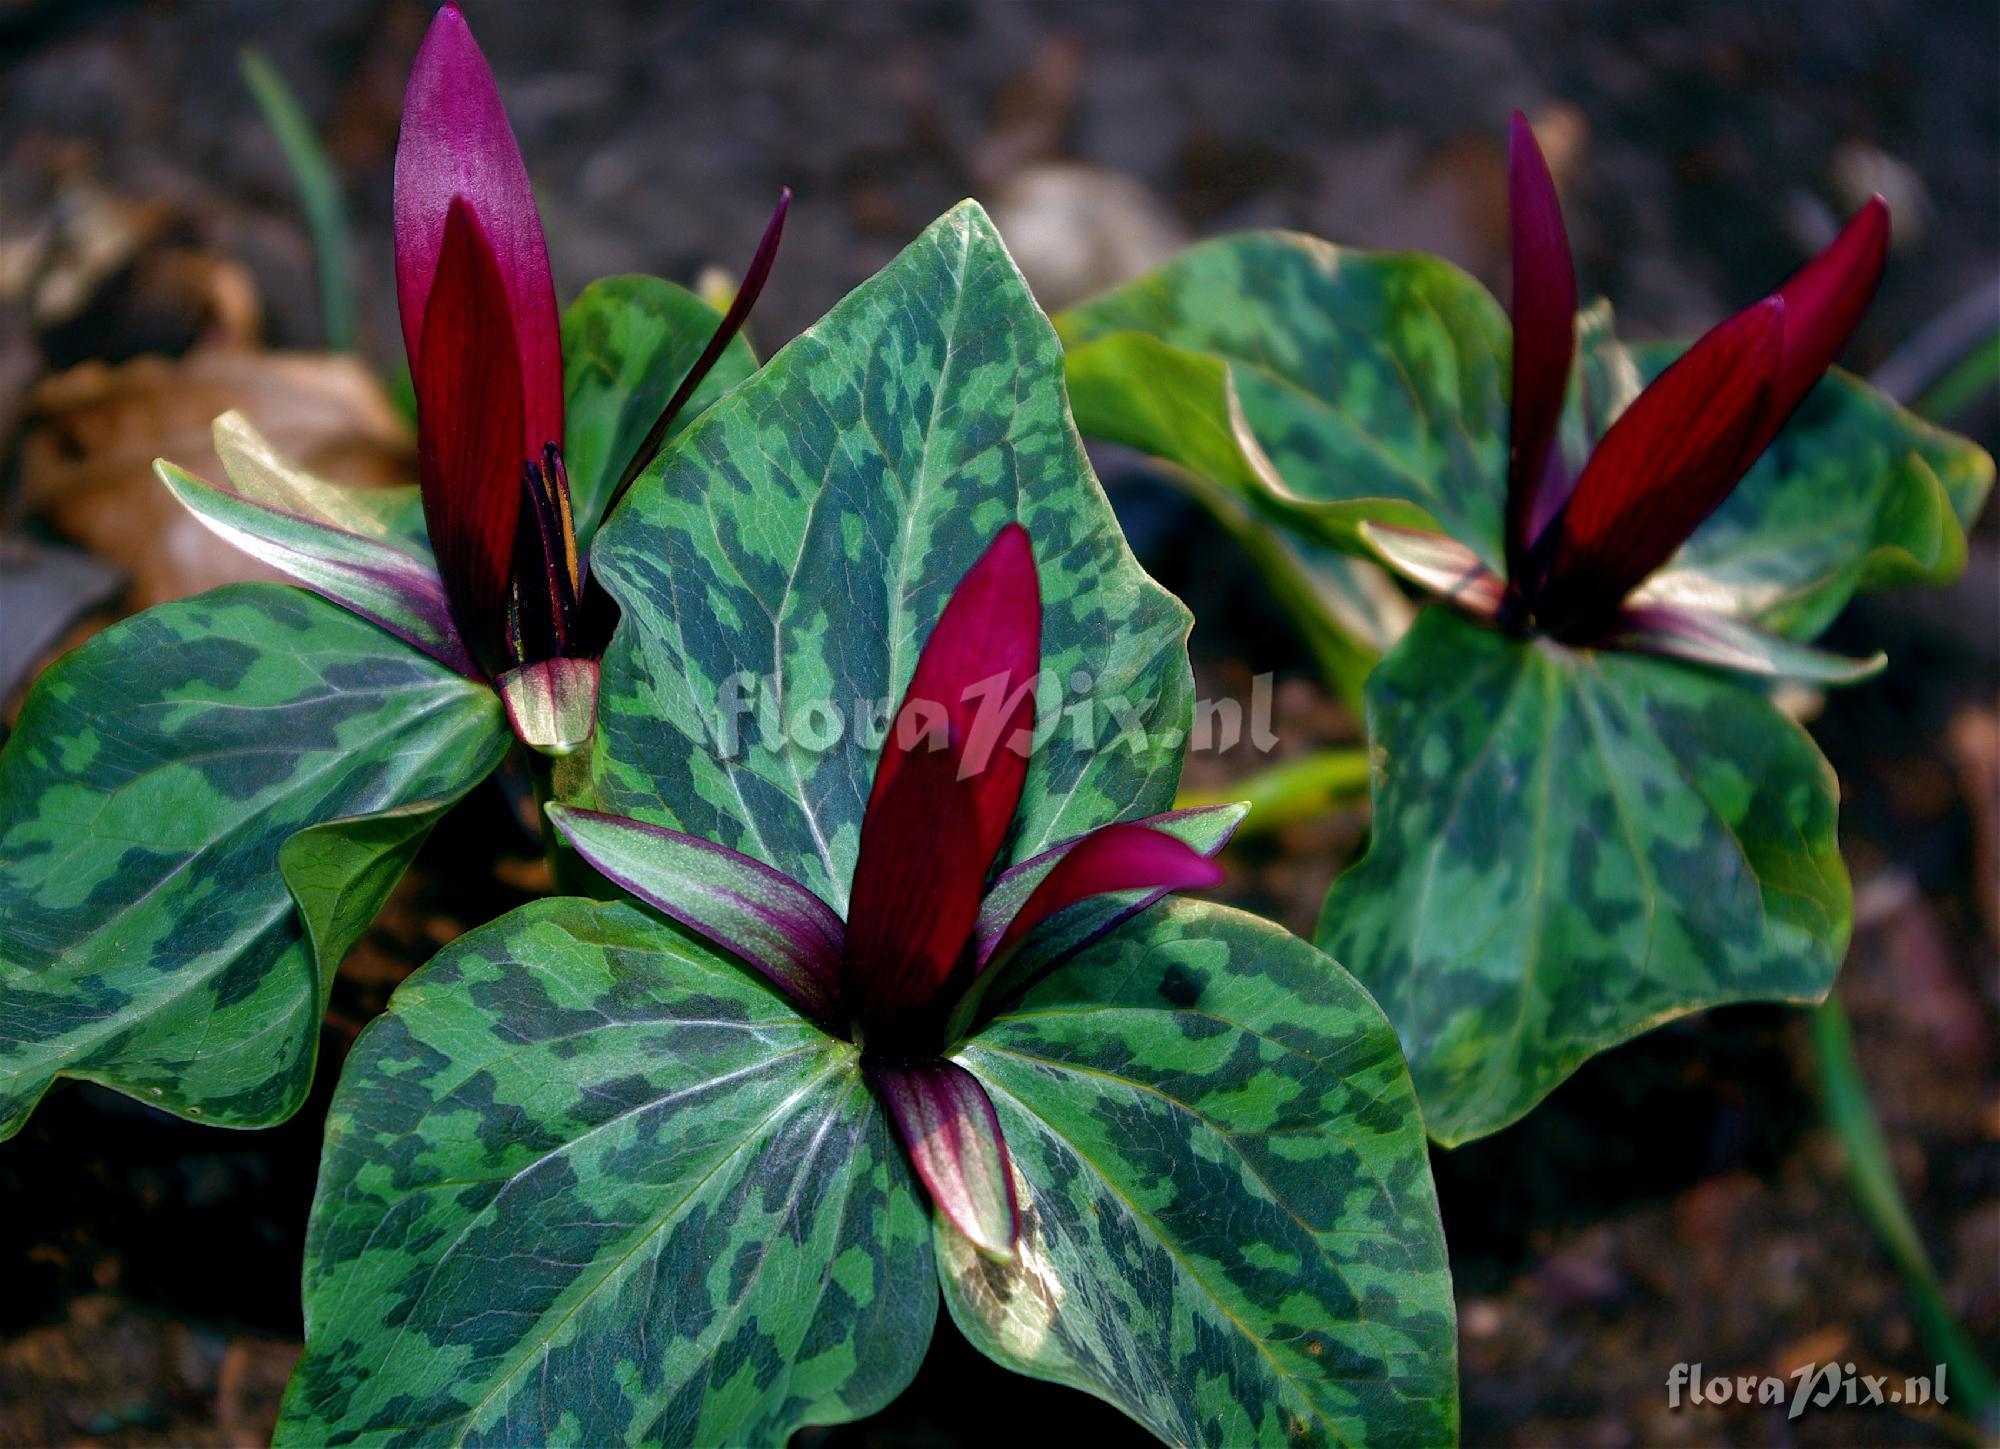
{"x": 148, "y": 941}
{"x": 1370, "y": 380}
{"x": 1856, "y": 493}
{"x": 1228, "y": 1224}
{"x": 590, "y": 1182}
{"x": 806, "y": 532}
{"x": 627, "y": 343}
{"x": 1570, "y": 848}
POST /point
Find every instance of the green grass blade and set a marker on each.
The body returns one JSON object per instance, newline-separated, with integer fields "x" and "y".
{"x": 319, "y": 192}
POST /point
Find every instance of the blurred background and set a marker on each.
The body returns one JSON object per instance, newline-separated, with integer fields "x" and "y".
{"x": 1680, "y": 1199}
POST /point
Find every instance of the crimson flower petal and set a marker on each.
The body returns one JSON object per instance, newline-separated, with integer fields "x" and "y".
{"x": 1663, "y": 467}
{"x": 1544, "y": 315}
{"x": 952, "y": 1133}
{"x": 1112, "y": 858}
{"x": 456, "y": 143}
{"x": 946, "y": 786}
{"x": 1824, "y": 301}
{"x": 467, "y": 381}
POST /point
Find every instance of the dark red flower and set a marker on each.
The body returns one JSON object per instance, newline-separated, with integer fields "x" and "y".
{"x": 485, "y": 348}
{"x": 1577, "y": 547}
{"x": 934, "y": 941}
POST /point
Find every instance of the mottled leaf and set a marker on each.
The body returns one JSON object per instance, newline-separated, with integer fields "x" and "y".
{"x": 1228, "y": 1227}
{"x": 148, "y": 941}
{"x": 1374, "y": 380}
{"x": 1180, "y": 406}
{"x": 794, "y": 549}
{"x": 1570, "y": 847}
{"x": 627, "y": 343}
{"x": 590, "y": 1182}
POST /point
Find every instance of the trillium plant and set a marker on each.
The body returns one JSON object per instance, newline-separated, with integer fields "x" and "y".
{"x": 913, "y": 1007}
{"x": 1589, "y": 817}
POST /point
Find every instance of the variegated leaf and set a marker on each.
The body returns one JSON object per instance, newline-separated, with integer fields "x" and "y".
{"x": 152, "y": 796}
{"x": 591, "y": 1182}
{"x": 1228, "y": 1224}
{"x": 781, "y": 566}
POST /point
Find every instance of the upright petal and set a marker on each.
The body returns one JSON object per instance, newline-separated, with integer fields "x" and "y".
{"x": 732, "y": 322}
{"x": 467, "y": 380}
{"x": 1662, "y": 468}
{"x": 1824, "y": 301}
{"x": 948, "y": 1125}
{"x": 456, "y": 143}
{"x": 1544, "y": 315}
{"x": 946, "y": 786}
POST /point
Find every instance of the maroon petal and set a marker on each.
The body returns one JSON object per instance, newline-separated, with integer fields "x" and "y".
{"x": 456, "y": 143}
{"x": 1824, "y": 301}
{"x": 1114, "y": 858}
{"x": 467, "y": 381}
{"x": 952, "y": 1133}
{"x": 946, "y": 787}
{"x": 1663, "y": 467}
{"x": 1544, "y": 315}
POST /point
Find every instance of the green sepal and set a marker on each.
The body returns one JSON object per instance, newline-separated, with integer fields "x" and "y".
{"x": 1228, "y": 1227}
{"x": 590, "y": 1182}
{"x": 148, "y": 938}
{"x": 1571, "y": 847}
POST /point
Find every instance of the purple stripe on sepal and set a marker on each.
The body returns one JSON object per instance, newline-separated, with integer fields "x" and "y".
{"x": 1441, "y": 565}
{"x": 390, "y": 588}
{"x": 948, "y": 1125}
{"x": 772, "y": 922}
{"x": 1699, "y": 636}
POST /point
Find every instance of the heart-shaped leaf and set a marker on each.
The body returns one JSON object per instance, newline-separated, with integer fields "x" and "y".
{"x": 779, "y": 569}
{"x": 148, "y": 940}
{"x": 1228, "y": 1224}
{"x": 1570, "y": 847}
{"x": 1370, "y": 380}
{"x": 627, "y": 343}
{"x": 590, "y": 1182}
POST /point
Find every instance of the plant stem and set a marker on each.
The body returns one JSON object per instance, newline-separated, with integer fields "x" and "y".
{"x": 1844, "y": 1096}
{"x": 565, "y": 778}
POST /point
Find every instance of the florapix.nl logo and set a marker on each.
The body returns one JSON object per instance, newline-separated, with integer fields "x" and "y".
{"x": 1812, "y": 1385}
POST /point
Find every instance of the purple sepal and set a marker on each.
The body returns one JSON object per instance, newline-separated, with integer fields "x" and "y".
{"x": 947, "y": 1123}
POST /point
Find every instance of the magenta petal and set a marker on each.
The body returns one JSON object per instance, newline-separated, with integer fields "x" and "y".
{"x": 1544, "y": 315}
{"x": 1113, "y": 858}
{"x": 468, "y": 409}
{"x": 775, "y": 924}
{"x": 948, "y": 1125}
{"x": 946, "y": 786}
{"x": 1663, "y": 467}
{"x": 1824, "y": 301}
{"x": 456, "y": 143}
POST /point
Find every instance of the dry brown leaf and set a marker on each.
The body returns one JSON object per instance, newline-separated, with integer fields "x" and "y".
{"x": 94, "y": 431}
